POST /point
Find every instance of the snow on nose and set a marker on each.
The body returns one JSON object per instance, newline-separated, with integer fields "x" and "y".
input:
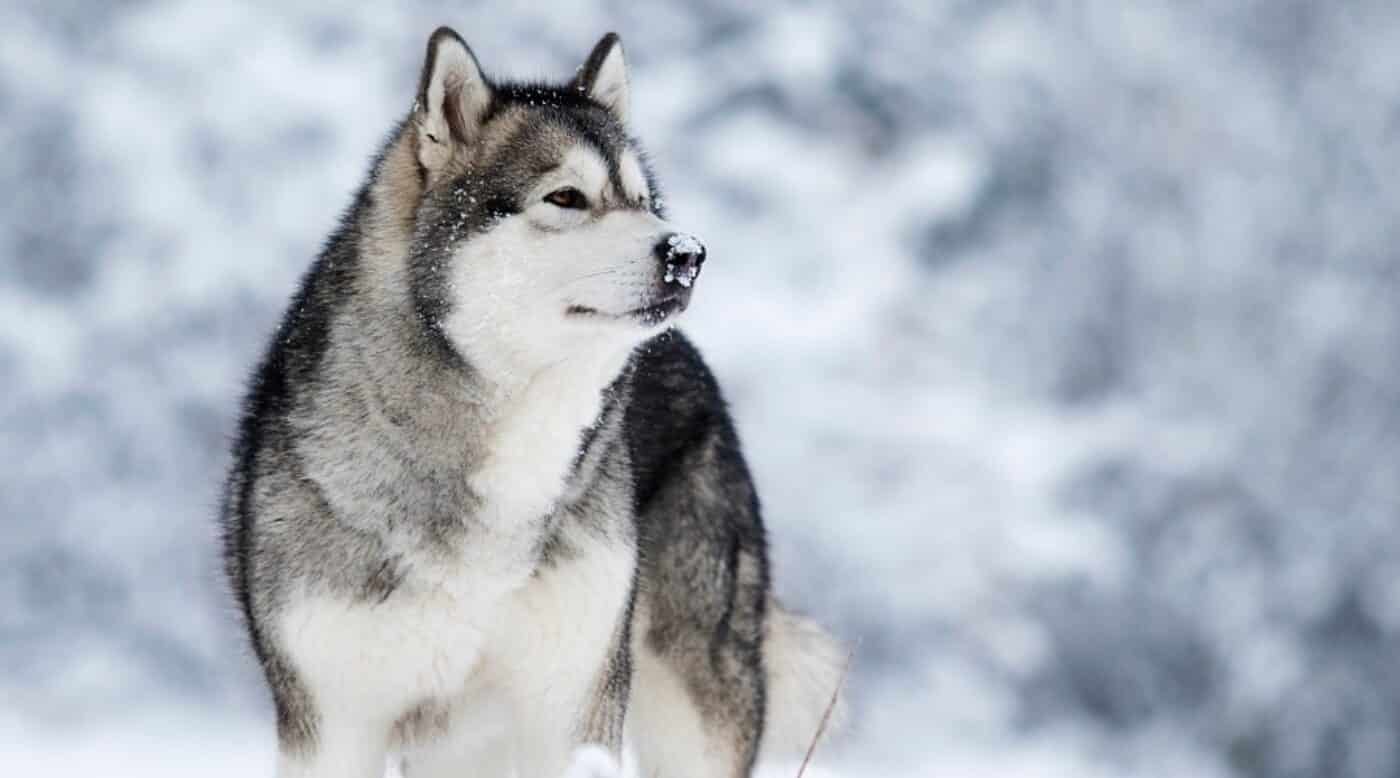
{"x": 683, "y": 255}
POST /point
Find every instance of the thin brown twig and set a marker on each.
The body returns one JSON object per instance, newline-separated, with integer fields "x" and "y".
{"x": 826, "y": 715}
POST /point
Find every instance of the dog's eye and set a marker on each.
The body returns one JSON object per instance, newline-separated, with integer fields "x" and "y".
{"x": 568, "y": 197}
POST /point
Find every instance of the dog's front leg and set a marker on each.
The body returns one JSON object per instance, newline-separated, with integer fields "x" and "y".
{"x": 606, "y": 713}
{"x": 342, "y": 748}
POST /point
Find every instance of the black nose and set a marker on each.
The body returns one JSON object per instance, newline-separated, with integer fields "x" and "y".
{"x": 681, "y": 254}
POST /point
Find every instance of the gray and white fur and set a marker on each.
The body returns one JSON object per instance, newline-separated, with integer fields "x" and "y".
{"x": 486, "y": 506}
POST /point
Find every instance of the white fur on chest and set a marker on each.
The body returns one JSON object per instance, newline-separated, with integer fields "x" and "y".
{"x": 479, "y": 644}
{"x": 534, "y": 438}
{"x": 485, "y": 628}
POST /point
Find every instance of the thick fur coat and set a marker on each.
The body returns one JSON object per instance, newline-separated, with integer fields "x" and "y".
{"x": 486, "y": 505}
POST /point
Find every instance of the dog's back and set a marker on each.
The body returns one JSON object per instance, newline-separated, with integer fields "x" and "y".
{"x": 717, "y": 657}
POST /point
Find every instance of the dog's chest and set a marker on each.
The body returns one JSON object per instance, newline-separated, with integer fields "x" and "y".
{"x": 534, "y": 442}
{"x": 491, "y": 612}
{"x": 478, "y": 629}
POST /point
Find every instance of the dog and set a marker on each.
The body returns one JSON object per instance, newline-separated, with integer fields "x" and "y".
{"x": 486, "y": 505}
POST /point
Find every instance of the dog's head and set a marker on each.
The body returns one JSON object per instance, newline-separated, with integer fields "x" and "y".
{"x": 539, "y": 231}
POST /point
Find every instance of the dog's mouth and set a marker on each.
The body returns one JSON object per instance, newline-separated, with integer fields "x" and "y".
{"x": 648, "y": 315}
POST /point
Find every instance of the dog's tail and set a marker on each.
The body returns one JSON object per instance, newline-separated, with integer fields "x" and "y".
{"x": 805, "y": 667}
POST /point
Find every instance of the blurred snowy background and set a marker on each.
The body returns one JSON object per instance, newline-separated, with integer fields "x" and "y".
{"x": 1064, "y": 338}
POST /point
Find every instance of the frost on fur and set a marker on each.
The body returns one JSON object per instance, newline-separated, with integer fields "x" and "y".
{"x": 677, "y": 246}
{"x": 805, "y": 666}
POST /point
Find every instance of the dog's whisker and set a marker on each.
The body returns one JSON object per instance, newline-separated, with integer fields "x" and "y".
{"x": 588, "y": 276}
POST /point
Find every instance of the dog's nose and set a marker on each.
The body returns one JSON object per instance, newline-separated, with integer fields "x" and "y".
{"x": 682, "y": 254}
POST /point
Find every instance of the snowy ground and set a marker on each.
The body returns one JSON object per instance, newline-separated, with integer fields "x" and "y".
{"x": 1061, "y": 336}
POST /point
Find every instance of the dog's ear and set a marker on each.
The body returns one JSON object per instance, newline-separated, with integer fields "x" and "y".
{"x": 453, "y": 97}
{"x": 604, "y": 76}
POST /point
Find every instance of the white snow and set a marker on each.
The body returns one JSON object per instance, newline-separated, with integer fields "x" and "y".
{"x": 1059, "y": 337}
{"x": 683, "y": 243}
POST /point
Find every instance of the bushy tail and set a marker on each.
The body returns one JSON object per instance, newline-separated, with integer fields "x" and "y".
{"x": 805, "y": 666}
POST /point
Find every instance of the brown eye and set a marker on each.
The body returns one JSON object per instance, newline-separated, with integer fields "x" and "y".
{"x": 568, "y": 197}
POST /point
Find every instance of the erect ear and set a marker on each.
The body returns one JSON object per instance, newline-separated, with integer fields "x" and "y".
{"x": 453, "y": 98}
{"x": 604, "y": 76}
